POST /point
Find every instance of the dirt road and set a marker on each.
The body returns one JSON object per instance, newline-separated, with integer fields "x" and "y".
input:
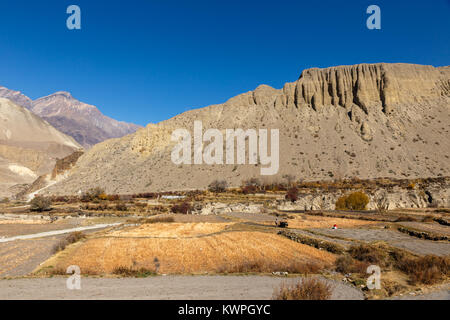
{"x": 160, "y": 287}
{"x": 56, "y": 232}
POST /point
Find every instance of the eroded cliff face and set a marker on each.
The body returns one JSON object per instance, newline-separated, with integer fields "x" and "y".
{"x": 367, "y": 86}
{"x": 366, "y": 121}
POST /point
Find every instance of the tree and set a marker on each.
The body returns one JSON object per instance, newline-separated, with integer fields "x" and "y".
{"x": 354, "y": 201}
{"x": 381, "y": 201}
{"x": 218, "y": 186}
{"x": 40, "y": 204}
{"x": 292, "y": 194}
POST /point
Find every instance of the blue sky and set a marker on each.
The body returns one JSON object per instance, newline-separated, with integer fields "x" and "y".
{"x": 146, "y": 61}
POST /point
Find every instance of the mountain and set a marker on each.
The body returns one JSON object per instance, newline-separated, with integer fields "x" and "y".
{"x": 17, "y": 97}
{"x": 29, "y": 146}
{"x": 365, "y": 121}
{"x": 85, "y": 123}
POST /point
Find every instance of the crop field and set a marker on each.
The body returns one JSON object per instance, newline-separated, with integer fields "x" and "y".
{"x": 220, "y": 253}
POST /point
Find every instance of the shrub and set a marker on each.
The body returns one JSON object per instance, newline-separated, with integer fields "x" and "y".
{"x": 292, "y": 194}
{"x": 94, "y": 194}
{"x": 218, "y": 186}
{"x": 370, "y": 253}
{"x": 428, "y": 270}
{"x": 249, "y": 189}
{"x": 120, "y": 206}
{"x": 131, "y": 272}
{"x": 40, "y": 204}
{"x": 5, "y": 200}
{"x": 183, "y": 208}
{"x": 71, "y": 238}
{"x": 113, "y": 197}
{"x": 157, "y": 220}
{"x": 306, "y": 289}
{"x": 346, "y": 264}
{"x": 353, "y": 201}
{"x": 411, "y": 186}
{"x": 264, "y": 266}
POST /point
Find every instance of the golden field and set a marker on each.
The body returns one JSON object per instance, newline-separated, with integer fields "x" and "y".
{"x": 190, "y": 255}
{"x": 172, "y": 230}
{"x": 303, "y": 222}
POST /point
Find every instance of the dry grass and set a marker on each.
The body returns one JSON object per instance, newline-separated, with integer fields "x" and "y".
{"x": 172, "y": 230}
{"x": 346, "y": 264}
{"x": 304, "y": 222}
{"x": 193, "y": 255}
{"x": 21, "y": 221}
{"x": 427, "y": 270}
{"x": 306, "y": 289}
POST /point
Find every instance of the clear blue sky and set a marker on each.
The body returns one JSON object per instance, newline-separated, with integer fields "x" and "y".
{"x": 146, "y": 61}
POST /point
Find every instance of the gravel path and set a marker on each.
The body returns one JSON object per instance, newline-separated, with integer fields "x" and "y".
{"x": 160, "y": 287}
{"x": 56, "y": 232}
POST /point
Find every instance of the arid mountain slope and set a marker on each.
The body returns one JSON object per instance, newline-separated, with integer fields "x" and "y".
{"x": 368, "y": 120}
{"x": 29, "y": 146}
{"x": 79, "y": 120}
{"x": 17, "y": 97}
{"x": 85, "y": 123}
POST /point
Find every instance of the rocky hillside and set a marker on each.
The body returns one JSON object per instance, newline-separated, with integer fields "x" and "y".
{"x": 79, "y": 120}
{"x": 29, "y": 146}
{"x": 366, "y": 121}
{"x": 85, "y": 123}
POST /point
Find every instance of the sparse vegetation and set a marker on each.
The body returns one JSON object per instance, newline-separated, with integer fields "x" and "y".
{"x": 346, "y": 264}
{"x": 71, "y": 238}
{"x": 133, "y": 272}
{"x": 372, "y": 254}
{"x": 184, "y": 208}
{"x": 306, "y": 289}
{"x": 156, "y": 220}
{"x": 267, "y": 266}
{"x": 94, "y": 194}
{"x": 427, "y": 270}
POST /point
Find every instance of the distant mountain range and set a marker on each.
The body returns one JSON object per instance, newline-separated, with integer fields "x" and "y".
{"x": 84, "y": 122}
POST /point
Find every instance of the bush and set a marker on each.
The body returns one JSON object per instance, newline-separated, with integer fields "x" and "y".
{"x": 427, "y": 270}
{"x": 157, "y": 220}
{"x": 292, "y": 194}
{"x": 40, "y": 204}
{"x": 353, "y": 201}
{"x": 218, "y": 186}
{"x": 346, "y": 264}
{"x": 113, "y": 197}
{"x": 370, "y": 253}
{"x": 120, "y": 206}
{"x": 265, "y": 266}
{"x": 249, "y": 189}
{"x": 183, "y": 208}
{"x": 306, "y": 289}
{"x": 71, "y": 238}
{"x": 94, "y": 194}
{"x": 131, "y": 272}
